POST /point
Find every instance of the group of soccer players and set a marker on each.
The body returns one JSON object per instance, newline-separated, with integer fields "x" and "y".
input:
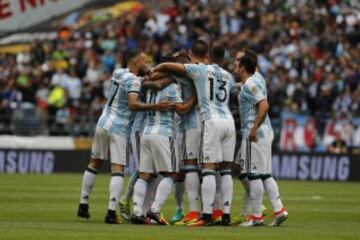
{"x": 177, "y": 118}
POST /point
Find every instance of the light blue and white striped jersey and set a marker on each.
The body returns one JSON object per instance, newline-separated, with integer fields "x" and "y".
{"x": 138, "y": 121}
{"x": 157, "y": 122}
{"x": 116, "y": 117}
{"x": 213, "y": 85}
{"x": 253, "y": 91}
{"x": 192, "y": 119}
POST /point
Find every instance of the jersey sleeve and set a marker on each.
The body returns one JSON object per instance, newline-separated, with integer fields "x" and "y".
{"x": 135, "y": 85}
{"x": 253, "y": 92}
{"x": 192, "y": 70}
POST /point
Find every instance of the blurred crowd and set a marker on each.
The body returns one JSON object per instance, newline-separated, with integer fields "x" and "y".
{"x": 308, "y": 51}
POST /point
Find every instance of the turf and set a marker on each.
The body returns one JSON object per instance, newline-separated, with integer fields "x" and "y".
{"x": 44, "y": 207}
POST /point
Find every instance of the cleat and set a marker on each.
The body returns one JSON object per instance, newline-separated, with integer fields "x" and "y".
{"x": 238, "y": 219}
{"x": 179, "y": 215}
{"x": 157, "y": 217}
{"x": 217, "y": 217}
{"x": 279, "y": 217}
{"x": 226, "y": 220}
{"x": 252, "y": 221}
{"x": 139, "y": 219}
{"x": 204, "y": 221}
{"x": 191, "y": 217}
{"x": 125, "y": 211}
{"x": 83, "y": 211}
{"x": 111, "y": 217}
{"x": 264, "y": 210}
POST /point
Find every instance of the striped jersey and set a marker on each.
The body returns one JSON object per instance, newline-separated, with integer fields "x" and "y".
{"x": 157, "y": 122}
{"x": 213, "y": 85}
{"x": 192, "y": 119}
{"x": 252, "y": 92}
{"x": 116, "y": 117}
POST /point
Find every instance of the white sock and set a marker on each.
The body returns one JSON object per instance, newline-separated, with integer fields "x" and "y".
{"x": 179, "y": 194}
{"x": 162, "y": 193}
{"x": 218, "y": 200}
{"x": 208, "y": 189}
{"x": 256, "y": 195}
{"x": 115, "y": 188}
{"x": 140, "y": 188}
{"x": 150, "y": 193}
{"x": 226, "y": 189}
{"x": 246, "y": 210}
{"x": 272, "y": 191}
{"x": 192, "y": 184}
{"x": 130, "y": 187}
{"x": 88, "y": 183}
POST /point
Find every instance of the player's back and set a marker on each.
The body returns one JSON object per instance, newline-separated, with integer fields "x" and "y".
{"x": 116, "y": 116}
{"x": 213, "y": 85}
{"x": 157, "y": 122}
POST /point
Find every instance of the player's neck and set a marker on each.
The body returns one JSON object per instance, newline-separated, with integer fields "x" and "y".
{"x": 246, "y": 76}
{"x": 197, "y": 60}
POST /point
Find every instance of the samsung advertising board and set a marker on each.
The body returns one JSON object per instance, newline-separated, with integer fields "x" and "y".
{"x": 291, "y": 166}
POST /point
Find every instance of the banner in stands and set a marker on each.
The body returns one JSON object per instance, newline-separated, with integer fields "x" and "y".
{"x": 300, "y": 132}
{"x": 20, "y": 14}
{"x": 315, "y": 167}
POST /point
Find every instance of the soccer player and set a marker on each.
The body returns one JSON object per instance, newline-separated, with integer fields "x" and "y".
{"x": 189, "y": 132}
{"x": 257, "y": 137}
{"x": 213, "y": 86}
{"x": 113, "y": 129}
{"x": 157, "y": 153}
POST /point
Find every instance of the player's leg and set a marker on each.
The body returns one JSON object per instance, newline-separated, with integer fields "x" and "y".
{"x": 210, "y": 157}
{"x": 99, "y": 151}
{"x": 164, "y": 148}
{"x": 191, "y": 152}
{"x": 124, "y": 203}
{"x": 179, "y": 181}
{"x": 271, "y": 187}
{"x": 218, "y": 201}
{"x": 255, "y": 167}
{"x": 146, "y": 170}
{"x": 119, "y": 151}
{"x": 228, "y": 148}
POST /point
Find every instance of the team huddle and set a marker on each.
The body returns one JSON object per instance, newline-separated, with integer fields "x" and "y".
{"x": 177, "y": 117}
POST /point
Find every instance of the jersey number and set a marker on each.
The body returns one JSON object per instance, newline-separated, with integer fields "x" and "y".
{"x": 113, "y": 95}
{"x": 220, "y": 97}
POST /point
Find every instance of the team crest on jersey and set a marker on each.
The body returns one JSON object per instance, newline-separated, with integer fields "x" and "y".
{"x": 254, "y": 89}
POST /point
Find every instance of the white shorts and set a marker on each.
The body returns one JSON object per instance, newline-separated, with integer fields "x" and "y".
{"x": 157, "y": 154}
{"x": 255, "y": 157}
{"x": 106, "y": 144}
{"x": 218, "y": 140}
{"x": 135, "y": 148}
{"x": 192, "y": 139}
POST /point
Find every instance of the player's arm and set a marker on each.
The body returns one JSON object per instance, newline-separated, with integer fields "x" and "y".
{"x": 159, "y": 75}
{"x": 262, "y": 109}
{"x": 170, "y": 68}
{"x": 183, "y": 108}
{"x": 157, "y": 84}
{"x": 134, "y": 104}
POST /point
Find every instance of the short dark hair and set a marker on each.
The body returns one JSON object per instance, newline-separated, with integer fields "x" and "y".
{"x": 248, "y": 63}
{"x": 199, "y": 48}
{"x": 250, "y": 53}
{"x": 131, "y": 54}
{"x": 217, "y": 54}
{"x": 181, "y": 57}
{"x": 168, "y": 57}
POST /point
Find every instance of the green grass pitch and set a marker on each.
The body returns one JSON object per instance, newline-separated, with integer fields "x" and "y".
{"x": 44, "y": 207}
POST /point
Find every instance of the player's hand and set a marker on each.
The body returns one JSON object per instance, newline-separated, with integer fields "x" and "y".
{"x": 252, "y": 136}
{"x": 165, "y": 106}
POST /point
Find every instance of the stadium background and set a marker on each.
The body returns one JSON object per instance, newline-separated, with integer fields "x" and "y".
{"x": 55, "y": 70}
